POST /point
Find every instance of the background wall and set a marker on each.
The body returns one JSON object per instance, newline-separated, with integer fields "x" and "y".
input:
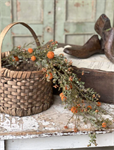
{"x": 67, "y": 21}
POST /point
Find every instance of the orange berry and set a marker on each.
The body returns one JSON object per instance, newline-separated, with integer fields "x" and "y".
{"x": 61, "y": 54}
{"x": 98, "y": 104}
{"x": 30, "y": 50}
{"x": 82, "y": 73}
{"x": 75, "y": 130}
{"x": 56, "y": 42}
{"x": 81, "y": 110}
{"x": 16, "y": 58}
{"x": 19, "y": 46}
{"x": 78, "y": 105}
{"x": 61, "y": 94}
{"x": 104, "y": 125}
{"x": 96, "y": 111}
{"x": 70, "y": 78}
{"x": 63, "y": 98}
{"x": 68, "y": 87}
{"x": 74, "y": 109}
{"x": 50, "y": 75}
{"x": 51, "y": 41}
{"x": 50, "y": 54}
{"x": 66, "y": 127}
{"x": 33, "y": 58}
{"x": 89, "y": 107}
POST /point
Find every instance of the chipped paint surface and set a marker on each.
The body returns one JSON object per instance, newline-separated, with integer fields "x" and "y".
{"x": 77, "y": 4}
{"x": 45, "y": 124}
{"x": 7, "y": 3}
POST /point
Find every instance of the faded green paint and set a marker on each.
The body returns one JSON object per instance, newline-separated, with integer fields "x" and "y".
{"x": 48, "y": 28}
{"x": 5, "y": 19}
{"x": 60, "y": 20}
{"x": 41, "y": 19}
{"x": 35, "y": 13}
{"x": 80, "y": 10}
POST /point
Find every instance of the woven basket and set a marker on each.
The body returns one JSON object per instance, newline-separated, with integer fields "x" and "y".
{"x": 23, "y": 92}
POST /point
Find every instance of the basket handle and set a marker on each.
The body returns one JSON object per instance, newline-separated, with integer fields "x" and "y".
{"x": 6, "y": 29}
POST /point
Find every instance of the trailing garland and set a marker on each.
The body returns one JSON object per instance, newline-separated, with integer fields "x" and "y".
{"x": 75, "y": 97}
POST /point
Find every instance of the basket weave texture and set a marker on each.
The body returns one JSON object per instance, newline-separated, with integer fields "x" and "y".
{"x": 24, "y": 92}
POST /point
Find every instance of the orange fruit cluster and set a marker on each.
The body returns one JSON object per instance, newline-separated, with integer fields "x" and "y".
{"x": 71, "y": 78}
{"x": 104, "y": 125}
{"x": 98, "y": 104}
{"x": 66, "y": 127}
{"x": 16, "y": 58}
{"x": 63, "y": 97}
{"x": 74, "y": 109}
{"x": 19, "y": 46}
{"x": 50, "y": 55}
{"x": 50, "y": 75}
{"x": 96, "y": 111}
{"x": 68, "y": 87}
{"x": 75, "y": 130}
{"x": 89, "y": 107}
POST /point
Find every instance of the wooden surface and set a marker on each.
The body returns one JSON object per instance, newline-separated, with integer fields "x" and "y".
{"x": 52, "y": 121}
{"x": 46, "y": 124}
{"x": 75, "y": 142}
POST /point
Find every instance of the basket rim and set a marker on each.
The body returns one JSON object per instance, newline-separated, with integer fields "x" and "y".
{"x": 5, "y": 72}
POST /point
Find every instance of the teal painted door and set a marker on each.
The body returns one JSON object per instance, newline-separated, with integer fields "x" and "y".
{"x": 39, "y": 14}
{"x": 75, "y": 19}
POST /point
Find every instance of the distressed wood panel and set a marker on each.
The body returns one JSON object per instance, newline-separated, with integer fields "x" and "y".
{"x": 5, "y": 19}
{"x": 80, "y": 11}
{"x": 60, "y": 143}
{"x": 40, "y": 18}
{"x": 48, "y": 123}
{"x": 30, "y": 11}
{"x": 35, "y": 13}
{"x": 60, "y": 20}
{"x": 77, "y": 28}
{"x": 21, "y": 40}
{"x": 77, "y": 39}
